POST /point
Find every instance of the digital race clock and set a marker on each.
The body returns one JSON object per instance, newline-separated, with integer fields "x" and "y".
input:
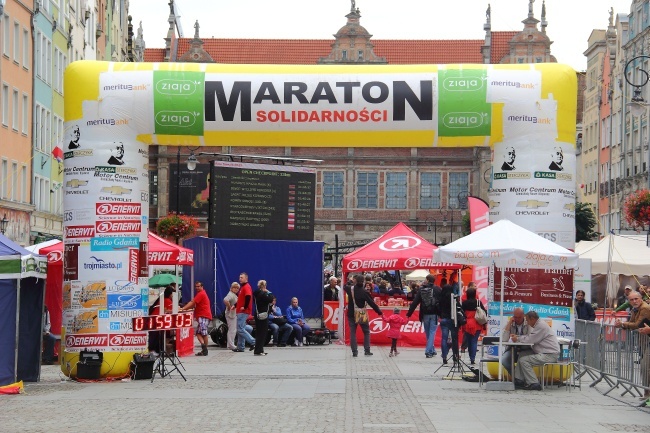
{"x": 164, "y": 321}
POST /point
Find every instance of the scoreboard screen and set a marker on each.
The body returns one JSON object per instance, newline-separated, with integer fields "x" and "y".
{"x": 260, "y": 201}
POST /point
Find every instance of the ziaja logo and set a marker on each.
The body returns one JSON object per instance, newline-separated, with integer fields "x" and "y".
{"x": 177, "y": 118}
{"x": 177, "y": 87}
{"x": 460, "y": 120}
{"x": 457, "y": 84}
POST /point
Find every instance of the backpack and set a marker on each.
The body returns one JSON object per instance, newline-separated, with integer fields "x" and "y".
{"x": 430, "y": 300}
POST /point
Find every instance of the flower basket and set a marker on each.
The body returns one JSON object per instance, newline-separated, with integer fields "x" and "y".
{"x": 637, "y": 209}
{"x": 176, "y": 226}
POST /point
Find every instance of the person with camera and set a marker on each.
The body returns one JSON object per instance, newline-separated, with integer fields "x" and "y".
{"x": 278, "y": 325}
{"x": 263, "y": 299}
{"x": 359, "y": 297}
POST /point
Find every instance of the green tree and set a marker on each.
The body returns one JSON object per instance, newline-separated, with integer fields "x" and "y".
{"x": 585, "y": 223}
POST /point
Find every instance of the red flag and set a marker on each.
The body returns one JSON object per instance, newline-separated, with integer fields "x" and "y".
{"x": 57, "y": 153}
{"x": 479, "y": 217}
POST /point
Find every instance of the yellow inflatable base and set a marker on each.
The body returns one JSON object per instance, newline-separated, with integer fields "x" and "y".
{"x": 554, "y": 374}
{"x": 114, "y": 365}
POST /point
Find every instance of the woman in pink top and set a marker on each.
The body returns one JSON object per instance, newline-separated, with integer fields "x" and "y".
{"x": 395, "y": 321}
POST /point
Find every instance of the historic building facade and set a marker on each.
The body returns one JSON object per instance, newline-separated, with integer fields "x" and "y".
{"x": 361, "y": 192}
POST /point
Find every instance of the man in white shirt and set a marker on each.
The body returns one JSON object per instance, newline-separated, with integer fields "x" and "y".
{"x": 546, "y": 348}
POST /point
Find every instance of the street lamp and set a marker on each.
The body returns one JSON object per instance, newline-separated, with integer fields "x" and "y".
{"x": 435, "y": 229}
{"x": 638, "y": 104}
{"x": 3, "y": 224}
{"x": 191, "y": 166}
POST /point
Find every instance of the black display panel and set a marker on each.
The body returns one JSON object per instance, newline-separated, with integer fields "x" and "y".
{"x": 188, "y": 194}
{"x": 259, "y": 201}
{"x": 163, "y": 322}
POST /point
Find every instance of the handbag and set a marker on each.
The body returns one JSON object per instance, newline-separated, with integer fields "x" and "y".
{"x": 262, "y": 316}
{"x": 481, "y": 315}
{"x": 360, "y": 314}
{"x": 280, "y": 321}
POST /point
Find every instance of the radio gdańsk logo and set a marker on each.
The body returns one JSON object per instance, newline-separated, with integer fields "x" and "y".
{"x": 400, "y": 243}
{"x": 98, "y": 263}
{"x": 54, "y": 256}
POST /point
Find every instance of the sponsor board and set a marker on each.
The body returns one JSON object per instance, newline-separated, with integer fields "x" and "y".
{"x": 113, "y": 209}
{"x": 112, "y": 227}
{"x": 79, "y": 232}
{"x": 117, "y": 324}
{"x": 67, "y": 295}
{"x": 89, "y": 295}
{"x": 128, "y": 340}
{"x": 80, "y": 321}
{"x": 122, "y": 287}
{"x": 70, "y": 261}
{"x": 85, "y": 341}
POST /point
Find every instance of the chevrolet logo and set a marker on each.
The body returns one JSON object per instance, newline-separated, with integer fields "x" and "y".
{"x": 571, "y": 207}
{"x": 532, "y": 204}
{"x": 116, "y": 190}
{"x": 494, "y": 204}
{"x": 76, "y": 183}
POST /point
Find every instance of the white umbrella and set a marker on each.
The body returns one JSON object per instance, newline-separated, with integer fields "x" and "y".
{"x": 505, "y": 244}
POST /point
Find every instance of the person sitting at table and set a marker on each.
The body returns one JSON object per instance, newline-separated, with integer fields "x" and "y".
{"x": 546, "y": 348}
{"x": 278, "y": 325}
{"x": 296, "y": 319}
{"x": 516, "y": 325}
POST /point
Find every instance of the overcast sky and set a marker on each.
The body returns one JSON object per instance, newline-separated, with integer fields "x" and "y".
{"x": 570, "y": 22}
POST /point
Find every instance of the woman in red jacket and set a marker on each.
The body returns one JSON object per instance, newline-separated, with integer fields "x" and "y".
{"x": 472, "y": 330}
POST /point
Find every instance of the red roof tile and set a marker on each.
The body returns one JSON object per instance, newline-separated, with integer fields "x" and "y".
{"x": 308, "y": 51}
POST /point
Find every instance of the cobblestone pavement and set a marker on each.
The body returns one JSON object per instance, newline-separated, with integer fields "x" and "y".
{"x": 310, "y": 389}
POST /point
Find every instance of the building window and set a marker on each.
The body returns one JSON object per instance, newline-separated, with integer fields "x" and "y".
{"x": 5, "y": 175}
{"x": 23, "y": 184}
{"x": 5, "y": 105}
{"x": 360, "y": 55}
{"x": 367, "y": 187}
{"x": 7, "y": 35}
{"x": 458, "y": 183}
{"x": 16, "y": 42}
{"x": 14, "y": 181}
{"x": 25, "y": 49}
{"x": 395, "y": 190}
{"x": 430, "y": 187}
{"x": 14, "y": 110}
{"x": 344, "y": 54}
{"x": 538, "y": 60}
{"x": 153, "y": 188}
{"x": 333, "y": 189}
{"x": 25, "y": 113}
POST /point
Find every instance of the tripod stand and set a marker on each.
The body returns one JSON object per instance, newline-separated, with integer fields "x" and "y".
{"x": 458, "y": 367}
{"x": 164, "y": 356}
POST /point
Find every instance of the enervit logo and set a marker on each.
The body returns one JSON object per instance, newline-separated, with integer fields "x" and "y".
{"x": 86, "y": 340}
{"x": 118, "y": 209}
{"x": 457, "y": 84}
{"x": 400, "y": 243}
{"x": 79, "y": 231}
{"x": 412, "y": 263}
{"x": 129, "y": 226}
{"x": 177, "y": 118}
{"x": 54, "y": 256}
{"x": 461, "y": 120}
{"x": 177, "y": 87}
{"x": 160, "y": 256}
{"x": 377, "y": 326}
{"x": 331, "y": 314}
{"x": 133, "y": 265}
{"x": 128, "y": 340}
{"x": 354, "y": 265}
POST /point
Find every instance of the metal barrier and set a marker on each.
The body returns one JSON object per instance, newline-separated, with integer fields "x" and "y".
{"x": 614, "y": 356}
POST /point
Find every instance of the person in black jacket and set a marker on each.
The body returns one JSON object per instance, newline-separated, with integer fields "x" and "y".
{"x": 361, "y": 298}
{"x": 584, "y": 310}
{"x": 447, "y": 324}
{"x": 428, "y": 298}
{"x": 263, "y": 299}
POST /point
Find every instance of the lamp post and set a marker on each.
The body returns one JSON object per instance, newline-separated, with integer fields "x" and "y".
{"x": 191, "y": 166}
{"x": 435, "y": 230}
{"x": 3, "y": 224}
{"x": 638, "y": 104}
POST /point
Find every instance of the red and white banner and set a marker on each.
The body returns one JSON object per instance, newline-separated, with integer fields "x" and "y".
{"x": 479, "y": 217}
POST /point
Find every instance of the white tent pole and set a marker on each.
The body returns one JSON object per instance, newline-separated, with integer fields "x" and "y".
{"x": 503, "y": 272}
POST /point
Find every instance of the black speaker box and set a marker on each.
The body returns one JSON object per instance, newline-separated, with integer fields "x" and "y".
{"x": 90, "y": 364}
{"x": 142, "y": 366}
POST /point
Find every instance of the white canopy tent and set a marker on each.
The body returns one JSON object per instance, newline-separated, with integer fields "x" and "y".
{"x": 506, "y": 245}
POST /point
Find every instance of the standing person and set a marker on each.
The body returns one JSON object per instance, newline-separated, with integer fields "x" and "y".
{"x": 395, "y": 321}
{"x": 428, "y": 298}
{"x": 640, "y": 312}
{"x": 358, "y": 296}
{"x": 202, "y": 314}
{"x": 230, "y": 302}
{"x": 263, "y": 299}
{"x": 244, "y": 309}
{"x": 331, "y": 290}
{"x": 584, "y": 310}
{"x": 472, "y": 329}
{"x": 516, "y": 326}
{"x": 280, "y": 328}
{"x": 296, "y": 319}
{"x": 447, "y": 324}
{"x": 48, "y": 339}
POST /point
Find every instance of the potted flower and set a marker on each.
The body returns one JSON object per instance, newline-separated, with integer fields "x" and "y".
{"x": 637, "y": 209}
{"x": 176, "y": 226}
